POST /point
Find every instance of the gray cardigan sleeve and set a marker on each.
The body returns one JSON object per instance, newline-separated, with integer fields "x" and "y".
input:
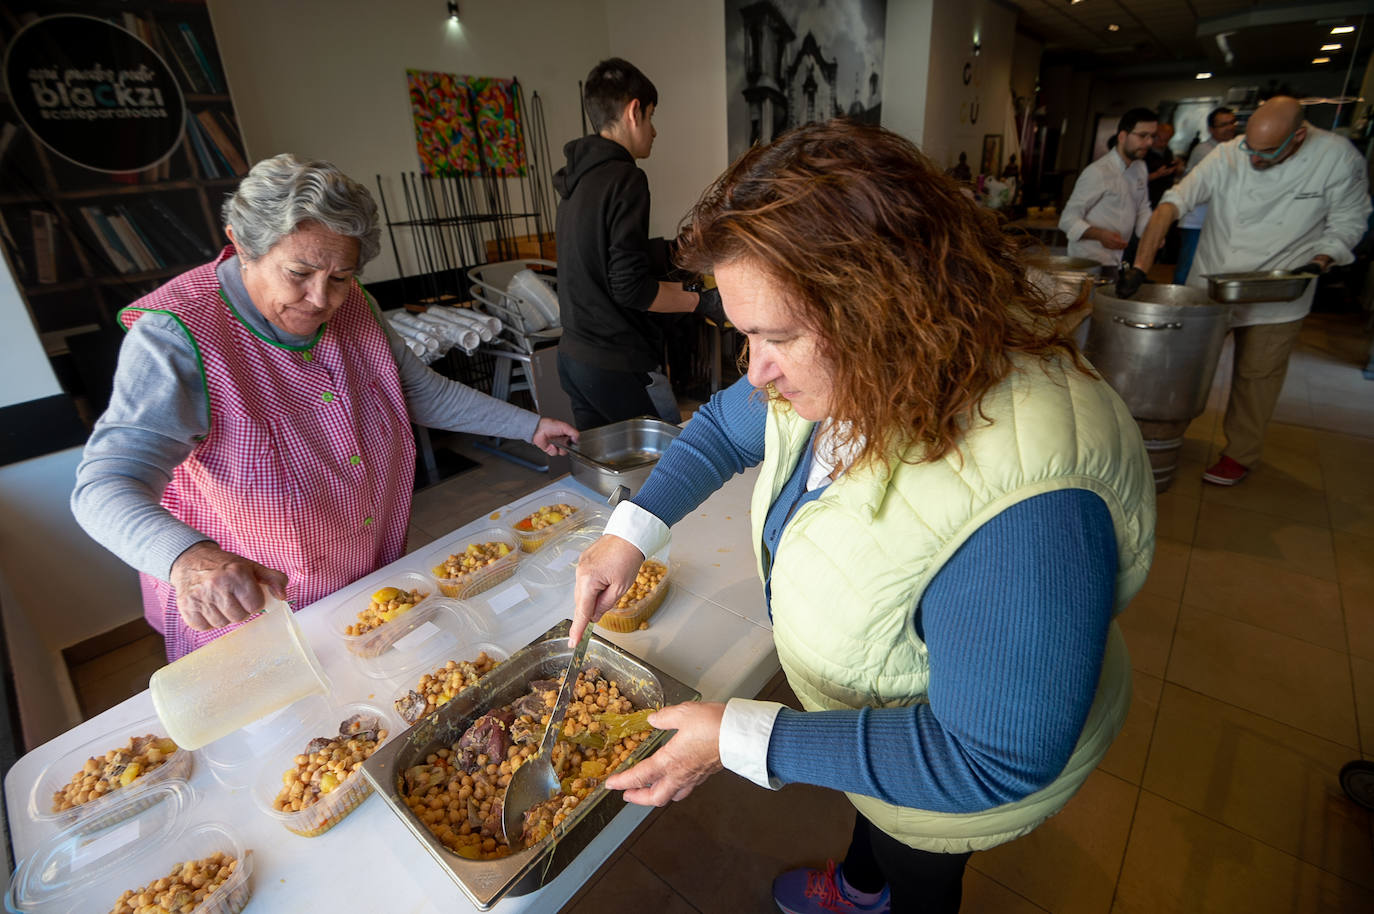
{"x": 157, "y": 412}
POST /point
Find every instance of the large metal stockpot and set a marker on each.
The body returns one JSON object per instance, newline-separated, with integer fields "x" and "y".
{"x": 1159, "y": 351}
{"x": 1067, "y": 282}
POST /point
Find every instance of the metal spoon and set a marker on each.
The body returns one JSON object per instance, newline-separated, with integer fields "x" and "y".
{"x": 536, "y": 781}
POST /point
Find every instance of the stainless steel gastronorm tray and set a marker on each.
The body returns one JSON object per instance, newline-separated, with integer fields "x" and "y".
{"x": 546, "y": 657}
{"x": 622, "y": 453}
{"x": 1271, "y": 285}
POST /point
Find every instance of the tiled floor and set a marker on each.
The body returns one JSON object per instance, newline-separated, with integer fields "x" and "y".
{"x": 1253, "y": 647}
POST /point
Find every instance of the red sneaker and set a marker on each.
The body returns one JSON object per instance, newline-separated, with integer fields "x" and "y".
{"x": 1225, "y": 472}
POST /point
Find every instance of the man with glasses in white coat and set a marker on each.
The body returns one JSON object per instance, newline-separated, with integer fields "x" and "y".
{"x": 1110, "y": 201}
{"x": 1287, "y": 196}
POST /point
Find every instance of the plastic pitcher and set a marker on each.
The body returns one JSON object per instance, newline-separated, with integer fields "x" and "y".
{"x": 247, "y": 674}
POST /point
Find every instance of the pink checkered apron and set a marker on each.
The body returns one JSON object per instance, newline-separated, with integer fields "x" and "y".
{"x": 309, "y": 462}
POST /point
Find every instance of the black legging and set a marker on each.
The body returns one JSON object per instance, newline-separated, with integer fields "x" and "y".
{"x": 600, "y": 396}
{"x": 922, "y": 882}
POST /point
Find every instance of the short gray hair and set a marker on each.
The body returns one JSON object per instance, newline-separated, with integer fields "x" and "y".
{"x": 280, "y": 193}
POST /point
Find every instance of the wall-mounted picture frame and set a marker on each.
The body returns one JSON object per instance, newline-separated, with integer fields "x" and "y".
{"x": 991, "y": 163}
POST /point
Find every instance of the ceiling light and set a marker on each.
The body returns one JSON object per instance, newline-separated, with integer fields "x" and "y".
{"x": 1204, "y": 76}
{"x": 1321, "y": 59}
{"x": 453, "y": 10}
{"x": 1113, "y": 27}
{"x": 1331, "y": 47}
{"x": 1343, "y": 30}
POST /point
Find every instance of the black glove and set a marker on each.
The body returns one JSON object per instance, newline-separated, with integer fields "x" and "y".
{"x": 1129, "y": 282}
{"x": 710, "y": 305}
{"x": 1313, "y": 268}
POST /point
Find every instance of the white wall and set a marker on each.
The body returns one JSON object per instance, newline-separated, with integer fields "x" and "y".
{"x": 57, "y": 588}
{"x": 326, "y": 78}
{"x": 25, "y": 372}
{"x": 950, "y": 104}
{"x": 681, "y": 47}
{"x": 906, "y": 67}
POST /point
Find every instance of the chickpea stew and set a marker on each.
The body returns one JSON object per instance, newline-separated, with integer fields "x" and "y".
{"x": 456, "y": 791}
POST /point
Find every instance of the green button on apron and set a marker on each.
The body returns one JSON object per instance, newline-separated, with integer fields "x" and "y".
{"x": 327, "y": 397}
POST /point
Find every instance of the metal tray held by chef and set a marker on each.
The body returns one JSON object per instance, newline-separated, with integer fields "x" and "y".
{"x": 1270, "y": 285}
{"x": 487, "y": 881}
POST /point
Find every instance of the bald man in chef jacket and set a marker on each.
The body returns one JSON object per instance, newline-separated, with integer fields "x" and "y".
{"x": 1286, "y": 196}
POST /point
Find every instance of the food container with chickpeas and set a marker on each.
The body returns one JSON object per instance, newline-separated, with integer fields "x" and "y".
{"x": 545, "y": 515}
{"x": 464, "y": 566}
{"x": 313, "y": 779}
{"x": 157, "y": 860}
{"x": 554, "y": 571}
{"x": 370, "y": 618}
{"x": 85, "y": 783}
{"x": 444, "y": 777}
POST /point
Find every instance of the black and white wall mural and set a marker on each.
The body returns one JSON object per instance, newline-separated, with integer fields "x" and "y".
{"x": 791, "y": 62}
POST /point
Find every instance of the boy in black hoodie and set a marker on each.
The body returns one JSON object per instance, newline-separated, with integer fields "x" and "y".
{"x": 606, "y": 280}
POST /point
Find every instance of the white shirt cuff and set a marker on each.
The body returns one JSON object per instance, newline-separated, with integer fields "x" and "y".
{"x": 745, "y": 732}
{"x": 638, "y": 527}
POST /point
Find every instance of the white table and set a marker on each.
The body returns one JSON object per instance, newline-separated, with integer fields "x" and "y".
{"x": 712, "y": 632}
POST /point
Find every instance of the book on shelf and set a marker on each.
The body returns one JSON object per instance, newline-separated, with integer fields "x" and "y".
{"x": 163, "y": 223}
{"x": 186, "y": 63}
{"x": 143, "y": 258}
{"x": 108, "y": 239}
{"x": 207, "y": 69}
{"x": 44, "y": 245}
{"x": 200, "y": 145}
{"x": 222, "y": 141}
{"x": 155, "y": 251}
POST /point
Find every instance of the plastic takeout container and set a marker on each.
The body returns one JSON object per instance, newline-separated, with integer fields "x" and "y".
{"x": 449, "y": 626}
{"x": 462, "y": 635}
{"x": 533, "y": 540}
{"x": 262, "y": 665}
{"x": 331, "y": 808}
{"x": 80, "y": 870}
{"x": 102, "y": 812}
{"x": 637, "y": 613}
{"x": 378, "y": 640}
{"x": 481, "y": 579}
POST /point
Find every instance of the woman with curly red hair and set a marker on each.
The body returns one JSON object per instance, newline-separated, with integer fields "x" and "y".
{"x": 950, "y": 510}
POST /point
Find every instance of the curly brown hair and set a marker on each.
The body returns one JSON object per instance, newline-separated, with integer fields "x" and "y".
{"x": 917, "y": 296}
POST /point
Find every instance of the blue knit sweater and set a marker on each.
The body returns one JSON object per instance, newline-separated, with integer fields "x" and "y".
{"x": 1016, "y": 625}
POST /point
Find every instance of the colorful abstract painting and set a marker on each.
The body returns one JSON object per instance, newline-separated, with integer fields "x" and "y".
{"x": 466, "y": 125}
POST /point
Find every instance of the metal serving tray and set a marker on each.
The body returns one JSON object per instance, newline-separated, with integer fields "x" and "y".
{"x": 546, "y": 657}
{"x": 621, "y": 454}
{"x": 1271, "y": 285}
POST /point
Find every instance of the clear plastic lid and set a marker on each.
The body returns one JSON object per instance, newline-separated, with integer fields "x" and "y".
{"x": 525, "y": 511}
{"x": 514, "y": 605}
{"x": 58, "y": 774}
{"x": 555, "y": 566}
{"x": 450, "y": 626}
{"x": 467, "y": 585}
{"x": 81, "y": 869}
{"x": 378, "y": 640}
{"x": 234, "y": 759}
{"x": 330, "y": 808}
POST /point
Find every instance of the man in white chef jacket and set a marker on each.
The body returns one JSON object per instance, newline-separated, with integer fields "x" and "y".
{"x": 1111, "y": 201}
{"x": 1221, "y": 124}
{"x": 1286, "y": 196}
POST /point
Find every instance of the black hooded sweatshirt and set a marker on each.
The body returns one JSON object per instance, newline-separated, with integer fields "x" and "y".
{"x": 606, "y": 281}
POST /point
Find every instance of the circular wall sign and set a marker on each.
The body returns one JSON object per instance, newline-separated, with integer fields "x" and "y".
{"x": 94, "y": 94}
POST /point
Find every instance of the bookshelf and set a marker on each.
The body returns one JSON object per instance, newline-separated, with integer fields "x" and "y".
{"x": 81, "y": 244}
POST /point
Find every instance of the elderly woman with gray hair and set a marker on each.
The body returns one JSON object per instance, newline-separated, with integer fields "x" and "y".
{"x": 258, "y": 434}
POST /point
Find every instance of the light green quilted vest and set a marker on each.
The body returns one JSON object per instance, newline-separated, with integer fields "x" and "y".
{"x": 852, "y": 564}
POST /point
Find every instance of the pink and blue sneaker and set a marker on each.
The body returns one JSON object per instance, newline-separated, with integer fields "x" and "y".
{"x": 810, "y": 891}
